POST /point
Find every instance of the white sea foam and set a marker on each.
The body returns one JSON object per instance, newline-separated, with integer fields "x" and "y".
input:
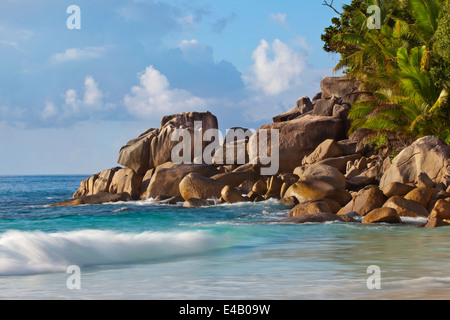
{"x": 140, "y": 203}
{"x": 424, "y": 281}
{"x": 214, "y": 201}
{"x": 120, "y": 210}
{"x": 38, "y": 252}
{"x": 414, "y": 220}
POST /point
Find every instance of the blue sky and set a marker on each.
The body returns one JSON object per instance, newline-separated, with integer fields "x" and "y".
{"x": 69, "y": 99}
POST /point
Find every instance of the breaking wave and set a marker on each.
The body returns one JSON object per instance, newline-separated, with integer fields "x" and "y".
{"x": 34, "y": 252}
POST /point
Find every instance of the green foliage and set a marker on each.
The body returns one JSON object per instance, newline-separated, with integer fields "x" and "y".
{"x": 404, "y": 65}
{"x": 442, "y": 36}
{"x": 343, "y": 24}
{"x": 379, "y": 140}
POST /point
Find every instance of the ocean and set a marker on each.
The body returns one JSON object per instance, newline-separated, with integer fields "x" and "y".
{"x": 141, "y": 250}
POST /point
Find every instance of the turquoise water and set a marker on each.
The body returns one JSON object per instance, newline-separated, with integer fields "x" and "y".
{"x": 139, "y": 250}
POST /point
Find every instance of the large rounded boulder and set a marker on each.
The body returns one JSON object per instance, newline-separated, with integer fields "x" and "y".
{"x": 167, "y": 177}
{"x": 324, "y": 173}
{"x": 310, "y": 190}
{"x": 297, "y": 139}
{"x": 195, "y": 186}
{"x": 429, "y": 155}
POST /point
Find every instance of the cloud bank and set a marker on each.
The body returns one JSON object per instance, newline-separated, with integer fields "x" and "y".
{"x": 74, "y": 54}
{"x": 154, "y": 98}
{"x": 277, "y": 68}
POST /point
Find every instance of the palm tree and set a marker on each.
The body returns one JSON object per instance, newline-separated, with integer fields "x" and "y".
{"x": 366, "y": 58}
{"x": 394, "y": 63}
{"x": 426, "y": 17}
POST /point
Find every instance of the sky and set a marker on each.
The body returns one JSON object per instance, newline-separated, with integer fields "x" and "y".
{"x": 75, "y": 86}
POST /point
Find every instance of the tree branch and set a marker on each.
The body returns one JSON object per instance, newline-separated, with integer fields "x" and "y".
{"x": 325, "y": 3}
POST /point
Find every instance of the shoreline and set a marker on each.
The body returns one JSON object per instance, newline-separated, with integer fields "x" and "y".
{"x": 254, "y": 256}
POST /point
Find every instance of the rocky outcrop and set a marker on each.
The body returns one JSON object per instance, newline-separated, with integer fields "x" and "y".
{"x": 196, "y": 203}
{"x": 233, "y": 149}
{"x": 233, "y": 179}
{"x": 396, "y": 189}
{"x": 429, "y": 155}
{"x": 310, "y": 190}
{"x": 103, "y": 182}
{"x": 327, "y": 149}
{"x": 440, "y": 214}
{"x": 303, "y": 107}
{"x": 364, "y": 171}
{"x": 382, "y": 215}
{"x": 406, "y": 208}
{"x": 260, "y": 187}
{"x": 297, "y": 139}
{"x": 314, "y": 218}
{"x": 338, "y": 87}
{"x": 274, "y": 187}
{"x": 126, "y": 181}
{"x": 338, "y": 93}
{"x": 98, "y": 183}
{"x": 196, "y": 186}
{"x": 366, "y": 200}
{"x": 310, "y": 207}
{"x": 436, "y": 223}
{"x": 231, "y": 195}
{"x": 340, "y": 163}
{"x": 148, "y": 172}
{"x": 421, "y": 195}
{"x": 167, "y": 177}
{"x": 145, "y": 183}
{"x": 136, "y": 153}
{"x": 103, "y": 197}
{"x": 154, "y": 147}
{"x": 288, "y": 115}
{"x": 324, "y": 107}
{"x": 310, "y": 123}
{"x": 441, "y": 210}
{"x": 323, "y": 174}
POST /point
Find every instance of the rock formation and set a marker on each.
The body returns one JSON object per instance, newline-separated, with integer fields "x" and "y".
{"x": 323, "y": 174}
{"x": 428, "y": 155}
{"x": 154, "y": 147}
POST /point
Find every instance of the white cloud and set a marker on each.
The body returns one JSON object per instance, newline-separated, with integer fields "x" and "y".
{"x": 188, "y": 22}
{"x": 49, "y": 111}
{"x": 185, "y": 44}
{"x": 92, "y": 95}
{"x": 11, "y": 36}
{"x": 92, "y": 99}
{"x": 278, "y": 18}
{"x": 74, "y": 54}
{"x": 277, "y": 68}
{"x": 154, "y": 97}
{"x": 12, "y": 44}
{"x": 71, "y": 100}
{"x": 73, "y": 106}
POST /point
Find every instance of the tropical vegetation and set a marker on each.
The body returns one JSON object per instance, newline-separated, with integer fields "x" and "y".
{"x": 403, "y": 63}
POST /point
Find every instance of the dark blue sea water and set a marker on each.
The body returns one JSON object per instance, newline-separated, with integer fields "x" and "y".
{"x": 140, "y": 250}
